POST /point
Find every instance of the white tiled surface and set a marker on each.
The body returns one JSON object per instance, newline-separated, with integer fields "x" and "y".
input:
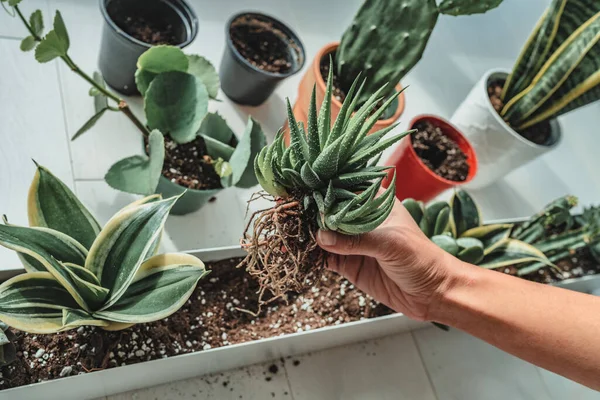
{"x": 41, "y": 106}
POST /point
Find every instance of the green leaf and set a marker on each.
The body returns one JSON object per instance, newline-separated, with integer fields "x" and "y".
{"x": 61, "y": 31}
{"x": 446, "y": 243}
{"x": 251, "y": 143}
{"x": 415, "y": 209}
{"x": 139, "y": 174}
{"x": 491, "y": 236}
{"x": 50, "y": 47}
{"x": 217, "y": 149}
{"x": 34, "y": 303}
{"x": 53, "y": 205}
{"x": 215, "y": 127}
{"x": 28, "y": 43}
{"x": 162, "y": 285}
{"x": 100, "y": 101}
{"x": 467, "y": 7}
{"x": 143, "y": 79}
{"x": 202, "y": 69}
{"x": 222, "y": 168}
{"x": 314, "y": 145}
{"x": 53, "y": 243}
{"x": 76, "y": 318}
{"x": 89, "y": 124}
{"x": 124, "y": 243}
{"x": 37, "y": 22}
{"x": 94, "y": 91}
{"x": 158, "y": 59}
{"x": 513, "y": 252}
{"x": 324, "y": 119}
{"x": 465, "y": 213}
{"x": 176, "y": 103}
{"x": 13, "y": 3}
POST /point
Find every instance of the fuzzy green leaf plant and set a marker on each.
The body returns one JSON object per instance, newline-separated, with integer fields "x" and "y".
{"x": 387, "y": 38}
{"x": 325, "y": 178}
{"x": 176, "y": 88}
{"x": 557, "y": 70}
{"x": 79, "y": 273}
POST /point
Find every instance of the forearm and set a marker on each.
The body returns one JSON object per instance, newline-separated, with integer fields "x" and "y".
{"x": 554, "y": 328}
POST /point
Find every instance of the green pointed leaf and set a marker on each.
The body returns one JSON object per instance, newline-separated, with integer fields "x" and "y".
{"x": 50, "y": 47}
{"x": 51, "y": 204}
{"x": 415, "y": 209}
{"x": 365, "y": 155}
{"x": 344, "y": 115}
{"x": 428, "y": 223}
{"x": 89, "y": 124}
{"x": 61, "y": 30}
{"x": 442, "y": 221}
{"x": 491, "y": 236}
{"x": 326, "y": 163}
{"x": 201, "y": 68}
{"x": 352, "y": 179}
{"x": 159, "y": 289}
{"x": 124, "y": 243}
{"x": 175, "y": 104}
{"x": 465, "y": 213}
{"x": 512, "y": 252}
{"x": 37, "y": 22}
{"x": 471, "y": 255}
{"x": 310, "y": 178}
{"x": 33, "y": 302}
{"x": 139, "y": 174}
{"x": 100, "y": 100}
{"x": 75, "y": 318}
{"x": 251, "y": 143}
{"x": 28, "y": 44}
{"x": 216, "y": 127}
{"x": 314, "y": 145}
{"x": 297, "y": 139}
{"x": 324, "y": 119}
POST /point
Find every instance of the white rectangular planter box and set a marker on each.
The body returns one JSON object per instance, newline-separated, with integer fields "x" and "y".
{"x": 150, "y": 373}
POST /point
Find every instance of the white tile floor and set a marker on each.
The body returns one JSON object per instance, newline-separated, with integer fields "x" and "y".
{"x": 41, "y": 106}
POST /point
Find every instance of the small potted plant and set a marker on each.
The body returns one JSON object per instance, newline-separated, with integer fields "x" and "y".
{"x": 510, "y": 117}
{"x": 133, "y": 26}
{"x": 383, "y": 43}
{"x": 188, "y": 150}
{"x": 260, "y": 52}
{"x": 433, "y": 158}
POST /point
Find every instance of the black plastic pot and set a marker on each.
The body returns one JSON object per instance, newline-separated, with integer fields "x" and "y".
{"x": 119, "y": 51}
{"x": 246, "y": 84}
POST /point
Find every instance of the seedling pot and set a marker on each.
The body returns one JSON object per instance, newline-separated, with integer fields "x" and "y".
{"x": 499, "y": 148}
{"x": 192, "y": 200}
{"x": 313, "y": 77}
{"x": 247, "y": 84}
{"x": 120, "y": 51}
{"x": 413, "y": 178}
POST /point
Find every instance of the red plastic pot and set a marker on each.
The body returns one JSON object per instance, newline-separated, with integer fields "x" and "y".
{"x": 413, "y": 178}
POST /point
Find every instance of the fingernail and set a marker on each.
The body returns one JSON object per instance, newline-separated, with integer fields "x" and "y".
{"x": 327, "y": 238}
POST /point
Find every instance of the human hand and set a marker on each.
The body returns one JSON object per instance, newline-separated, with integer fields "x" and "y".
{"x": 396, "y": 263}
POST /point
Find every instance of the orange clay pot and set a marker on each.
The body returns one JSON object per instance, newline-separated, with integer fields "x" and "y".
{"x": 413, "y": 178}
{"x": 313, "y": 76}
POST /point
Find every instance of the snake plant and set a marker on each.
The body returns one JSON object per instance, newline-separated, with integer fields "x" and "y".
{"x": 557, "y": 70}
{"x": 333, "y": 169}
{"x": 78, "y": 273}
{"x": 387, "y": 38}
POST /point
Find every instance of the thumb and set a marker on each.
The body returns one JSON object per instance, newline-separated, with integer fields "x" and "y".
{"x": 366, "y": 244}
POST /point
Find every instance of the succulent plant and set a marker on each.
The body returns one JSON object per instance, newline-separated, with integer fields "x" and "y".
{"x": 78, "y": 273}
{"x": 8, "y": 352}
{"x": 387, "y": 38}
{"x": 557, "y": 70}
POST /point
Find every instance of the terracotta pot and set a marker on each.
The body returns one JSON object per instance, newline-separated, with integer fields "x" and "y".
{"x": 413, "y": 178}
{"x": 313, "y": 75}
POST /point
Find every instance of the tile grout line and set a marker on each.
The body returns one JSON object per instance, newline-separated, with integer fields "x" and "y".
{"x": 287, "y": 378}
{"x": 416, "y": 343}
{"x": 10, "y": 37}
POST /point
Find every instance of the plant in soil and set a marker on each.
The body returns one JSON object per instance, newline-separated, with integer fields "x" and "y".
{"x": 545, "y": 241}
{"x": 262, "y": 44}
{"x": 556, "y": 71}
{"x": 440, "y": 153}
{"x": 8, "y": 351}
{"x": 387, "y": 38}
{"x": 184, "y": 142}
{"x": 79, "y": 274}
{"x": 326, "y": 178}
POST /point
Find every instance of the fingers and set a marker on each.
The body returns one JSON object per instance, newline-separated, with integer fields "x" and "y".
{"x": 366, "y": 244}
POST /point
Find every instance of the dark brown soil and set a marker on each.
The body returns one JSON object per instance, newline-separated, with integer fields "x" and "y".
{"x": 439, "y": 153}
{"x": 581, "y": 263}
{"x": 263, "y": 45}
{"x": 188, "y": 165}
{"x": 141, "y": 29}
{"x": 538, "y": 134}
{"x": 208, "y": 320}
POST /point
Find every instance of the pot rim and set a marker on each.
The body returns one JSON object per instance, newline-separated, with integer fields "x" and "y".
{"x": 292, "y": 35}
{"x": 316, "y": 66}
{"x": 473, "y": 164}
{"x": 555, "y": 128}
{"x": 187, "y": 9}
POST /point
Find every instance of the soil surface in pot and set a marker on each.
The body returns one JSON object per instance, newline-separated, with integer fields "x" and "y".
{"x": 439, "y": 153}
{"x": 262, "y": 44}
{"x": 209, "y": 319}
{"x": 538, "y": 134}
{"x": 143, "y": 30}
{"x": 188, "y": 165}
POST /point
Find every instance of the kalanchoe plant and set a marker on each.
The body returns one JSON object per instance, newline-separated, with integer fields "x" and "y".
{"x": 78, "y": 273}
{"x": 326, "y": 178}
{"x": 557, "y": 70}
{"x": 8, "y": 352}
{"x": 387, "y": 38}
{"x": 176, "y": 88}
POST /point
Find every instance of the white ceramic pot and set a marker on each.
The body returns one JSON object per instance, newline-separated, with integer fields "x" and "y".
{"x": 499, "y": 148}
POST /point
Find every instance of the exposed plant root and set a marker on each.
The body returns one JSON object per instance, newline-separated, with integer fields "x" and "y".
{"x": 283, "y": 254}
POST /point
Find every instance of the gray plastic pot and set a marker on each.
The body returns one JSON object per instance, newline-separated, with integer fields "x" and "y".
{"x": 191, "y": 201}
{"x": 119, "y": 51}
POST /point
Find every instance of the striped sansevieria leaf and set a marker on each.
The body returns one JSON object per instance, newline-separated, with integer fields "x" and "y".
{"x": 512, "y": 252}
{"x": 114, "y": 284}
{"x": 558, "y": 69}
